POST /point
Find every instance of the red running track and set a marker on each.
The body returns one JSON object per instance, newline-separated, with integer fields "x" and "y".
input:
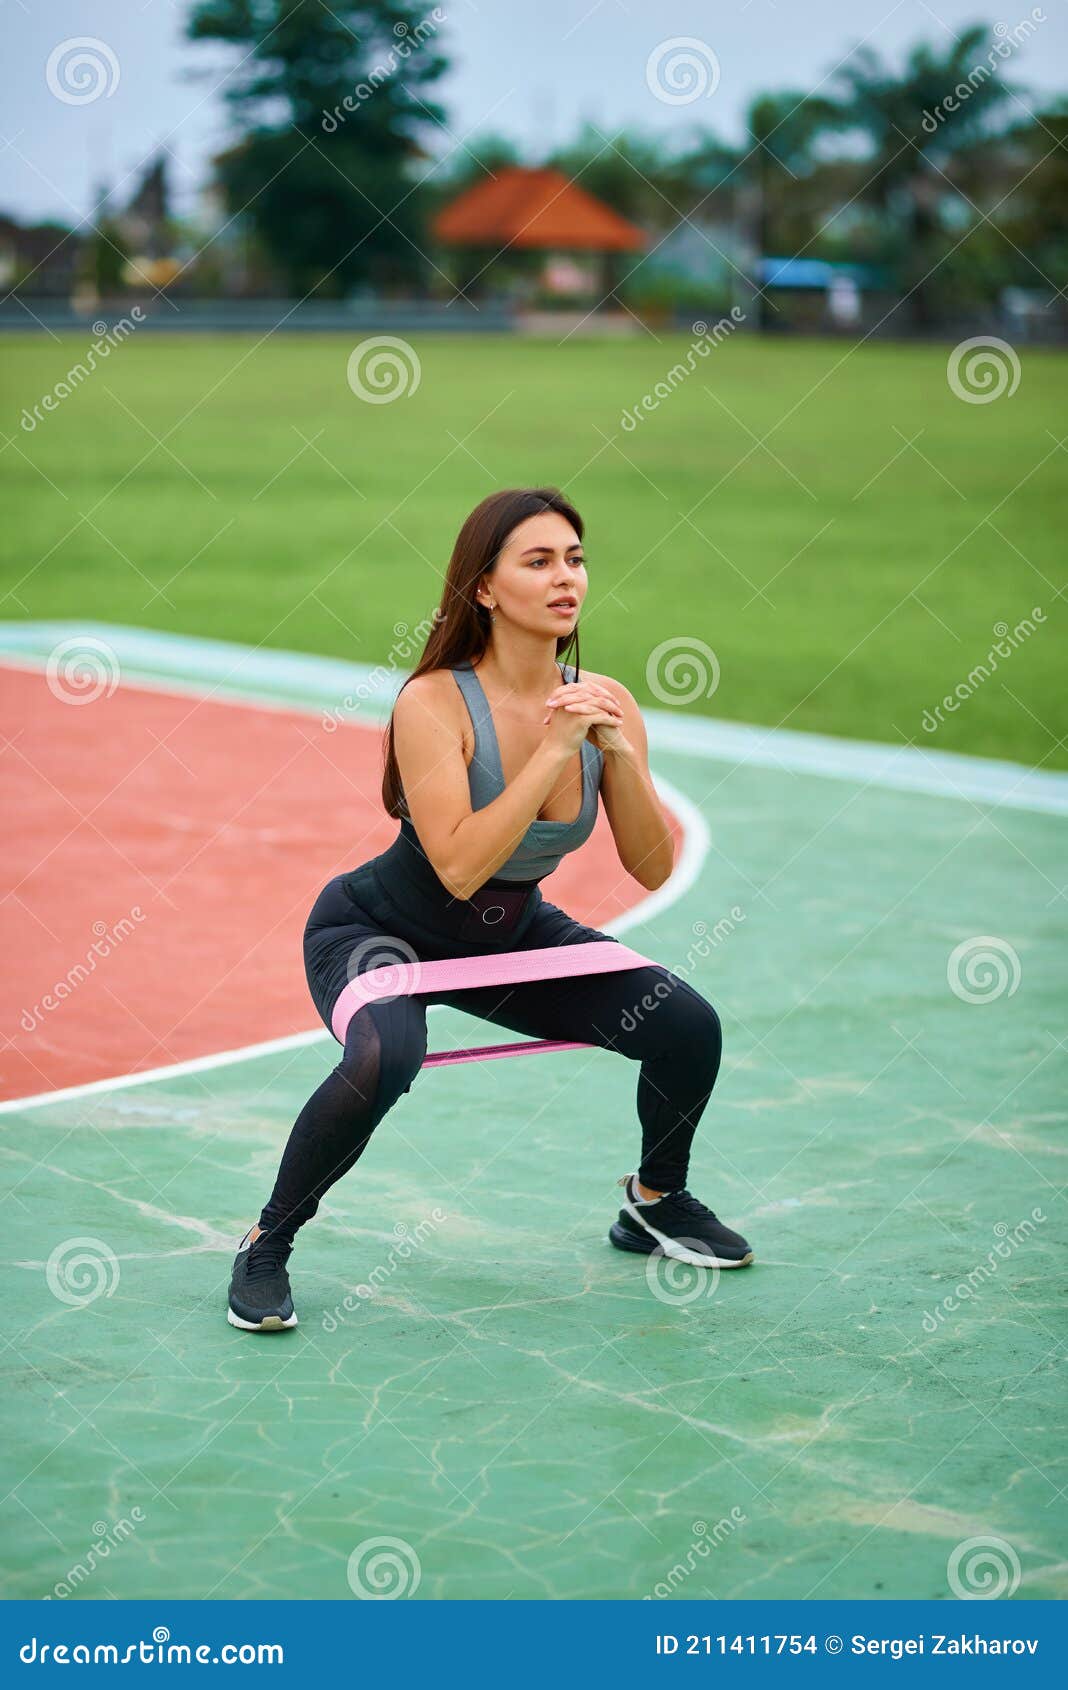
{"x": 186, "y": 839}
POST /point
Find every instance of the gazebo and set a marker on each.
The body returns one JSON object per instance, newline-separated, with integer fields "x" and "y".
{"x": 521, "y": 210}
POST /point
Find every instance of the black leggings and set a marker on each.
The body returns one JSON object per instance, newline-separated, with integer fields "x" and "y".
{"x": 646, "y": 1014}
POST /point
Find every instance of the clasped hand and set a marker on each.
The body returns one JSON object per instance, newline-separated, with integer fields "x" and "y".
{"x": 593, "y": 706}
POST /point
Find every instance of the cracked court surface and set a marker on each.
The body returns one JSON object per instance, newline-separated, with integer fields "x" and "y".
{"x": 504, "y": 1393}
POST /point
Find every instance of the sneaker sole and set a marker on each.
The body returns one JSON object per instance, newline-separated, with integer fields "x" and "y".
{"x": 672, "y": 1247}
{"x": 645, "y": 1245}
{"x": 269, "y": 1323}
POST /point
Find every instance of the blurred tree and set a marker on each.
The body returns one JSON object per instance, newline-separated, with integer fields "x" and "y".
{"x": 330, "y": 105}
{"x": 466, "y": 164}
{"x": 106, "y": 254}
{"x": 1035, "y": 215}
{"x": 913, "y": 136}
{"x": 634, "y": 174}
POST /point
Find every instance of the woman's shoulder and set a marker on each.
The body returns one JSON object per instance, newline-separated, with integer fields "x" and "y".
{"x": 432, "y": 700}
{"x": 428, "y": 690}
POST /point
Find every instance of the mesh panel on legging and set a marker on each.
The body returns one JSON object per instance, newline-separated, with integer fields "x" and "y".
{"x": 384, "y": 1048}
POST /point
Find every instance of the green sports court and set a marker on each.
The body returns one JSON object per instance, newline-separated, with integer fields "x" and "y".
{"x": 477, "y": 1376}
{"x": 216, "y": 570}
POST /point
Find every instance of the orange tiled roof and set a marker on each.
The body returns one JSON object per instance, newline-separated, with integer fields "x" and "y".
{"x": 541, "y": 209}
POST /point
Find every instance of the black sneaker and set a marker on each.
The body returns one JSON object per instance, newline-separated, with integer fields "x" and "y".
{"x": 260, "y": 1299}
{"x": 678, "y": 1225}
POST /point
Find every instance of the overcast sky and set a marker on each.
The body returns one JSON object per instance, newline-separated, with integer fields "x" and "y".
{"x": 532, "y": 69}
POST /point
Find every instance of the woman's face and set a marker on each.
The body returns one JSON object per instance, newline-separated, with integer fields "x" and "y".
{"x": 541, "y": 562}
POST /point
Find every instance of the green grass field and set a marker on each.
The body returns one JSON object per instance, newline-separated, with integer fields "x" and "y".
{"x": 848, "y": 572}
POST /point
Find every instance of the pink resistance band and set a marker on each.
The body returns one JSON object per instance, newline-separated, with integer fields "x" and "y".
{"x": 498, "y": 968}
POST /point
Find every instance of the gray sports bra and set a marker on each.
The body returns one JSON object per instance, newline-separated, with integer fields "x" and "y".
{"x": 545, "y": 843}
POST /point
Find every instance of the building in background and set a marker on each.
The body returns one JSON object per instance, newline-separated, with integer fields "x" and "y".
{"x": 814, "y": 293}
{"x": 39, "y": 260}
{"x": 537, "y": 237}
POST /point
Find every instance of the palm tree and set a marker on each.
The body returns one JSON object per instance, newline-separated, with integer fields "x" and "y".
{"x": 914, "y": 123}
{"x": 767, "y": 188}
{"x": 331, "y": 105}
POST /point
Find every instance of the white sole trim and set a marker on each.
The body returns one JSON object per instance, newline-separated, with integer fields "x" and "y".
{"x": 672, "y": 1247}
{"x": 270, "y": 1323}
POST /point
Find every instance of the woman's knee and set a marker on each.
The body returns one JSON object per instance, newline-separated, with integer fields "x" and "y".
{"x": 401, "y": 1026}
{"x": 673, "y": 1016}
{"x": 697, "y": 1023}
{"x": 659, "y": 1014}
{"x": 385, "y": 1046}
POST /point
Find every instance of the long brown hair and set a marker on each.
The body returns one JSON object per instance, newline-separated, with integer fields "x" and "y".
{"x": 461, "y": 628}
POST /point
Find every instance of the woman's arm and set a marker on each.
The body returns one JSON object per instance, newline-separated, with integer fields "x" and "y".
{"x": 465, "y": 846}
{"x": 639, "y": 827}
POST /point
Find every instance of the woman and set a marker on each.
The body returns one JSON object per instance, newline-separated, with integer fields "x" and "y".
{"x": 502, "y": 753}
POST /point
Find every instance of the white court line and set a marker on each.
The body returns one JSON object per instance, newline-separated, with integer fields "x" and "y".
{"x": 174, "y": 1070}
{"x": 300, "y": 681}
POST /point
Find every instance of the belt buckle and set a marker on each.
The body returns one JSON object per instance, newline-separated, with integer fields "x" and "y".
{"x": 494, "y": 910}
